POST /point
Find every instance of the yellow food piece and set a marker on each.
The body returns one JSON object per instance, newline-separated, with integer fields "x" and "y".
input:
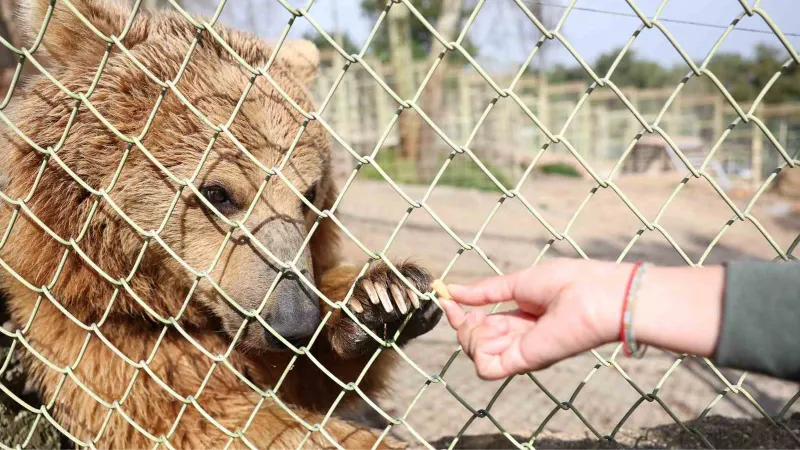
{"x": 441, "y": 289}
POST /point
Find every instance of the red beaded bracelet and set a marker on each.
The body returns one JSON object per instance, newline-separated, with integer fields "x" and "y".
{"x": 626, "y": 336}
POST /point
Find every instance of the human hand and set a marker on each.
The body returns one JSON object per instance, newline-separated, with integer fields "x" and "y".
{"x": 565, "y": 307}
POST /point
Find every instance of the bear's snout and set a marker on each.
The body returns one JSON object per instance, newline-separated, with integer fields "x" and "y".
{"x": 295, "y": 314}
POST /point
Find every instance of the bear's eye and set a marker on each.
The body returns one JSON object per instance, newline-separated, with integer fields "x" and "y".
{"x": 217, "y": 196}
{"x": 310, "y": 195}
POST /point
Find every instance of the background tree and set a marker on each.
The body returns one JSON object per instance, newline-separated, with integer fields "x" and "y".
{"x": 9, "y": 32}
{"x": 633, "y": 71}
{"x": 346, "y": 42}
{"x": 404, "y": 40}
{"x": 419, "y": 37}
{"x": 448, "y": 26}
{"x": 744, "y": 77}
{"x": 7, "y": 58}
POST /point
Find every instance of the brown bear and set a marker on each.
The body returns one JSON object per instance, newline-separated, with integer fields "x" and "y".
{"x": 169, "y": 243}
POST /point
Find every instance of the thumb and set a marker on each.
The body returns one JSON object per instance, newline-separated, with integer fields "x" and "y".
{"x": 455, "y": 315}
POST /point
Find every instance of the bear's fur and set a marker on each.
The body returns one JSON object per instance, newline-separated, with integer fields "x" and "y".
{"x": 126, "y": 326}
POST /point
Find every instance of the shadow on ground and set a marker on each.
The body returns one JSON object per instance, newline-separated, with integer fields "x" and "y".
{"x": 716, "y": 431}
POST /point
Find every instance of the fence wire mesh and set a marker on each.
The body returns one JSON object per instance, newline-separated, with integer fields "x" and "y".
{"x": 205, "y": 29}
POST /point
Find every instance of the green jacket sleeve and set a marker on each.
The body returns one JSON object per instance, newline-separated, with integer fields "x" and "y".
{"x": 761, "y": 319}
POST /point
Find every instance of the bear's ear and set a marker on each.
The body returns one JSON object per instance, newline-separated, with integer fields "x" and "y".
{"x": 302, "y": 57}
{"x": 68, "y": 40}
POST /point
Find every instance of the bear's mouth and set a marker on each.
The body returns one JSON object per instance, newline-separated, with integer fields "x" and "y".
{"x": 275, "y": 345}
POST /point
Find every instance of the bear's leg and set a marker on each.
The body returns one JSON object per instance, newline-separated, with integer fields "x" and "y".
{"x": 380, "y": 301}
{"x": 345, "y": 348}
{"x": 163, "y": 397}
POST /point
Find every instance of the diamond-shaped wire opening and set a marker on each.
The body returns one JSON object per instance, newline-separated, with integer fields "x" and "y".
{"x": 508, "y": 192}
{"x": 172, "y": 176}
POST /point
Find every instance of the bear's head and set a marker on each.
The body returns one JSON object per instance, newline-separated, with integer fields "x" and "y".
{"x": 141, "y": 177}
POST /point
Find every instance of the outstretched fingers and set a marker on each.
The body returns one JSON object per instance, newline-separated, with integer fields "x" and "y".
{"x": 491, "y": 290}
{"x": 533, "y": 288}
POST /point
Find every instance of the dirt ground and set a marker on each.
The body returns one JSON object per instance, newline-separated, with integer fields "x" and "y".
{"x": 600, "y": 396}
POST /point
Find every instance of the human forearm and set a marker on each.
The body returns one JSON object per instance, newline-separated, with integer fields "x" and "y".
{"x": 743, "y": 316}
{"x": 676, "y": 308}
{"x": 680, "y": 309}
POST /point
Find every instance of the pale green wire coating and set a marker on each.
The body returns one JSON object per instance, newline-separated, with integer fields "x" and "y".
{"x": 205, "y": 29}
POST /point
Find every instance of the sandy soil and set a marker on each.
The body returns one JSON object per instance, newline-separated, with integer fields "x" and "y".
{"x": 600, "y": 396}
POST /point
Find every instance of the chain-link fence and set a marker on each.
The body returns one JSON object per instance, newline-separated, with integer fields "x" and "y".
{"x": 604, "y": 123}
{"x": 88, "y": 418}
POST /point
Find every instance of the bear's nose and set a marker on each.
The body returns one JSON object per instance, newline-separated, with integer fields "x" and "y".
{"x": 295, "y": 315}
{"x": 296, "y": 336}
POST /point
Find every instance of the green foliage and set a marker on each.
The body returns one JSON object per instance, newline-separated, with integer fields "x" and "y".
{"x": 563, "y": 74}
{"x": 401, "y": 170}
{"x": 421, "y": 38}
{"x": 461, "y": 172}
{"x": 559, "y": 168}
{"x": 347, "y": 44}
{"x": 743, "y": 77}
{"x": 633, "y": 71}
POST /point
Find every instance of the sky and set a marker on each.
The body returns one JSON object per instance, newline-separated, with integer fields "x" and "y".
{"x": 505, "y": 36}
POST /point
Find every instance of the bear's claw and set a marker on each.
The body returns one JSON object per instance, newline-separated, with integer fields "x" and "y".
{"x": 378, "y": 295}
{"x": 381, "y": 301}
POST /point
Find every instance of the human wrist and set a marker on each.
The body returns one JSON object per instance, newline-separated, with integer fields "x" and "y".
{"x": 680, "y": 309}
{"x": 676, "y": 308}
{"x": 610, "y": 281}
